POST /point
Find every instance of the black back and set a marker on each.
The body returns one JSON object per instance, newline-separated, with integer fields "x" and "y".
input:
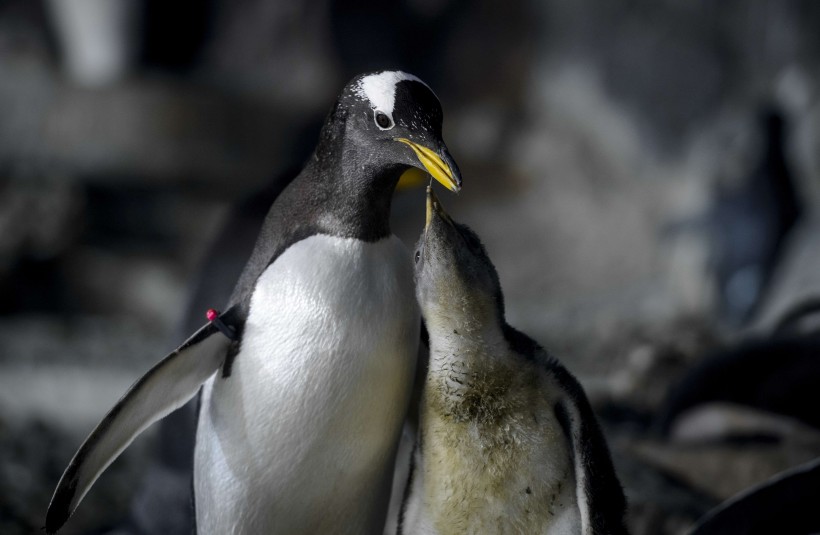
{"x": 785, "y": 504}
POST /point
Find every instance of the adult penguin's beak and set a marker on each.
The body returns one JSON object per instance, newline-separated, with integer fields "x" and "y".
{"x": 412, "y": 178}
{"x": 439, "y": 164}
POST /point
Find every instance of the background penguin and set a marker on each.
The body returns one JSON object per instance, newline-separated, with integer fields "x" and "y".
{"x": 751, "y": 221}
{"x": 508, "y": 441}
{"x": 776, "y": 373}
{"x": 298, "y": 432}
{"x": 785, "y": 504}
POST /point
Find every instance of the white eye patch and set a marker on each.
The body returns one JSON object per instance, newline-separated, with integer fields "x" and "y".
{"x": 380, "y": 89}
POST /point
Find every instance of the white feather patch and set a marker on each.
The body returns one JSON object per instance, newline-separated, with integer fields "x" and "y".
{"x": 301, "y": 438}
{"x": 380, "y": 89}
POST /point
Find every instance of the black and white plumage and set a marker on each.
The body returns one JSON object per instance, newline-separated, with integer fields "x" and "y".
{"x": 508, "y": 441}
{"x": 297, "y": 434}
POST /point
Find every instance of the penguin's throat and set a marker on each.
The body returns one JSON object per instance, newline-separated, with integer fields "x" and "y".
{"x": 464, "y": 357}
{"x": 357, "y": 200}
{"x": 468, "y": 383}
{"x": 357, "y": 170}
{"x": 462, "y": 326}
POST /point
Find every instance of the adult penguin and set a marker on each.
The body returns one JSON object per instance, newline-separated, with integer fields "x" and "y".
{"x": 317, "y": 348}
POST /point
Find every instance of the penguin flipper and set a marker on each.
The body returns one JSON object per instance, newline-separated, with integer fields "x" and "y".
{"x": 166, "y": 387}
{"x": 599, "y": 493}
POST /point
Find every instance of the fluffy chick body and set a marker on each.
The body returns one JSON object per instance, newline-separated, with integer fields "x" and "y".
{"x": 508, "y": 442}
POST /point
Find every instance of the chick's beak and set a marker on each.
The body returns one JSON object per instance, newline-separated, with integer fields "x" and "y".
{"x": 434, "y": 208}
{"x": 441, "y": 167}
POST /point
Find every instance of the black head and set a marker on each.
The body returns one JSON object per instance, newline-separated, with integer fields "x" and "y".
{"x": 387, "y": 123}
{"x": 456, "y": 283}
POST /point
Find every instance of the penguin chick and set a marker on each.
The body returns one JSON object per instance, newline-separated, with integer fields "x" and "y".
{"x": 508, "y": 441}
{"x": 307, "y": 373}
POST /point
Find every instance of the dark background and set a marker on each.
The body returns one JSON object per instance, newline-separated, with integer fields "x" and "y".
{"x": 644, "y": 174}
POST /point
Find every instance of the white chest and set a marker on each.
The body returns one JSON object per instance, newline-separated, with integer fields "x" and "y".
{"x": 301, "y": 437}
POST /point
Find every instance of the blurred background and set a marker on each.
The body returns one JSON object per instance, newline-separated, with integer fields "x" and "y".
{"x": 645, "y": 175}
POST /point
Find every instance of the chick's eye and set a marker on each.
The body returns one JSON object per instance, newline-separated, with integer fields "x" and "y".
{"x": 383, "y": 121}
{"x": 418, "y": 256}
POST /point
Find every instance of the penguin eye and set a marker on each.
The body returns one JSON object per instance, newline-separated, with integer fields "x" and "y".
{"x": 383, "y": 121}
{"x": 418, "y": 256}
